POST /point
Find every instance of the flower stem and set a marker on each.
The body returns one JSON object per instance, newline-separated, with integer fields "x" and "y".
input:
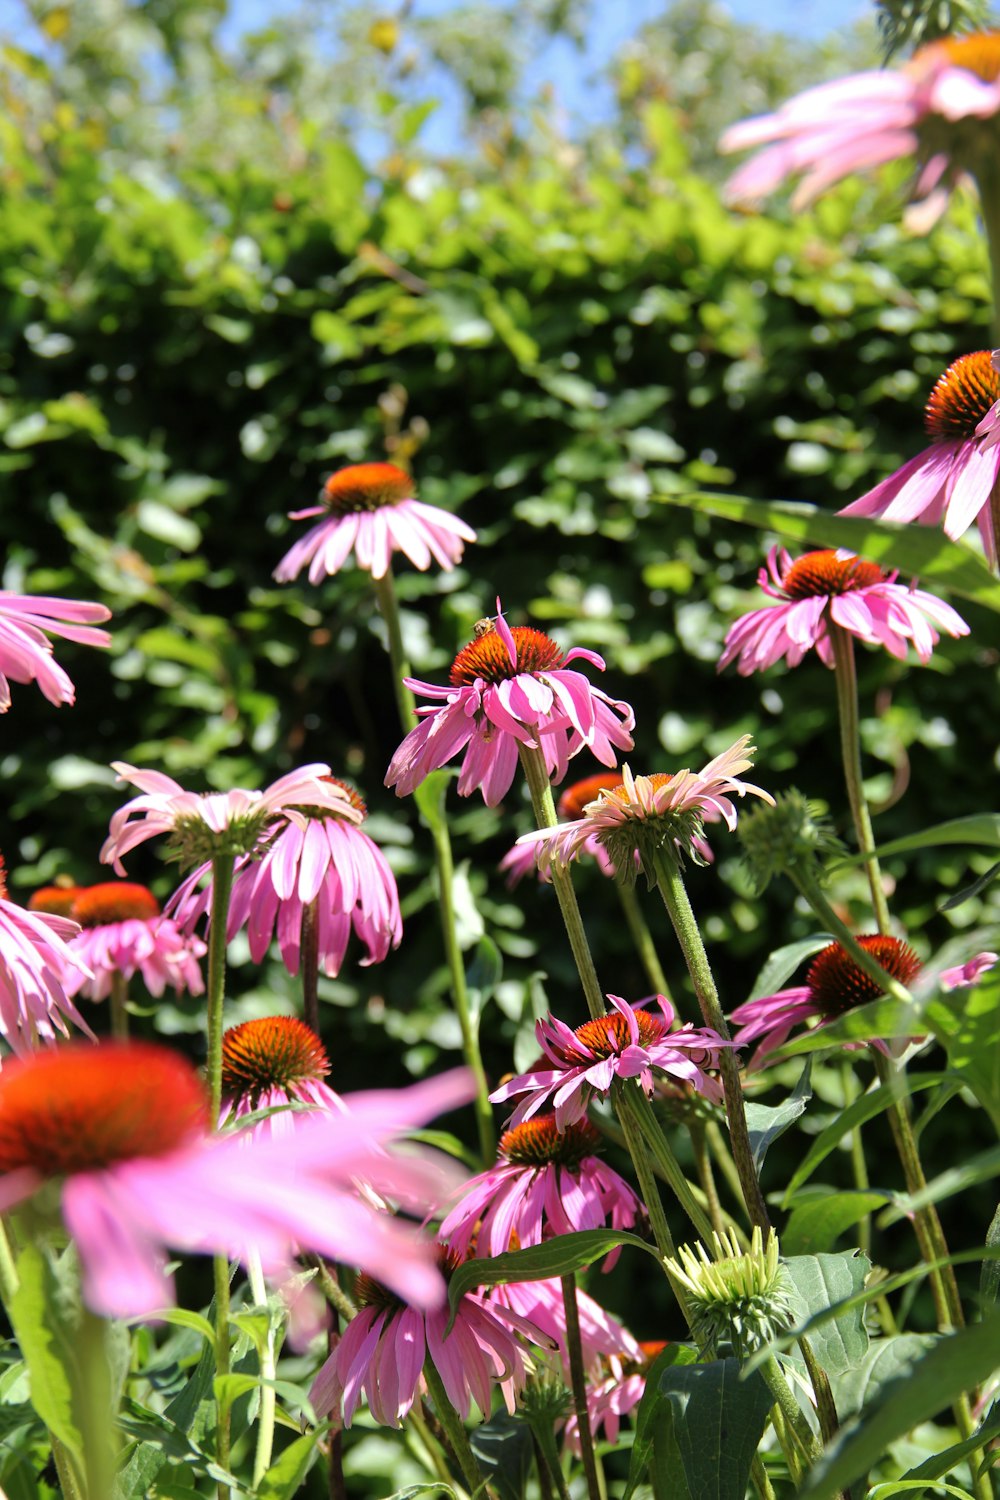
{"x": 859, "y": 1165}
{"x": 455, "y": 1432}
{"x": 675, "y": 899}
{"x": 988, "y": 183}
{"x": 119, "y": 1006}
{"x": 795, "y": 1422}
{"x": 759, "y": 1475}
{"x": 578, "y": 1383}
{"x": 809, "y": 887}
{"x": 670, "y": 1167}
{"x": 850, "y": 748}
{"x": 222, "y": 884}
{"x": 385, "y": 592}
{"x": 268, "y": 1371}
{"x": 309, "y": 959}
{"x": 703, "y": 1166}
{"x": 643, "y": 940}
{"x": 547, "y": 1460}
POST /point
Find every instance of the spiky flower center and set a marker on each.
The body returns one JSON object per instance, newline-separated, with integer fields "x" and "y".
{"x": 837, "y": 984}
{"x": 82, "y": 1107}
{"x": 607, "y": 1036}
{"x": 824, "y": 573}
{"x": 656, "y": 779}
{"x": 371, "y": 1293}
{"x": 113, "y": 901}
{"x": 962, "y": 397}
{"x": 362, "y": 487}
{"x": 978, "y": 53}
{"x": 743, "y": 1298}
{"x": 57, "y": 900}
{"x": 576, "y": 796}
{"x": 319, "y": 813}
{"x": 192, "y": 841}
{"x": 537, "y": 1143}
{"x": 276, "y": 1052}
{"x": 487, "y": 657}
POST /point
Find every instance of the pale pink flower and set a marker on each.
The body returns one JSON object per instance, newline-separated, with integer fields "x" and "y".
{"x": 835, "y": 984}
{"x": 123, "y": 1127}
{"x": 928, "y": 109}
{"x": 372, "y": 509}
{"x": 827, "y": 587}
{"x": 541, "y": 1303}
{"x": 627, "y": 1042}
{"x": 307, "y": 854}
{"x": 26, "y": 621}
{"x": 509, "y": 688}
{"x": 39, "y": 973}
{"x": 122, "y": 932}
{"x": 382, "y": 1351}
{"x": 611, "y": 1396}
{"x": 202, "y": 823}
{"x": 953, "y": 482}
{"x": 644, "y": 812}
{"x": 270, "y": 1064}
{"x": 546, "y": 1182}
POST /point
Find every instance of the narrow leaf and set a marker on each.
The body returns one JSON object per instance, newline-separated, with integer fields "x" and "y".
{"x": 978, "y": 828}
{"x": 765, "y": 1123}
{"x": 47, "y": 1333}
{"x": 967, "y": 1024}
{"x": 285, "y": 1476}
{"x": 783, "y": 962}
{"x": 555, "y": 1257}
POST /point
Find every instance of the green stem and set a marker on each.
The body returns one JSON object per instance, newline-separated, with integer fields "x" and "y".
{"x": 268, "y": 1372}
{"x": 385, "y": 592}
{"x": 432, "y": 1455}
{"x": 550, "y": 1472}
{"x": 69, "y": 1481}
{"x": 118, "y": 1000}
{"x": 988, "y": 183}
{"x": 455, "y": 1432}
{"x": 332, "y": 1290}
{"x": 859, "y": 1166}
{"x": 826, "y": 1409}
{"x": 309, "y": 961}
{"x": 98, "y": 1413}
{"x": 850, "y": 748}
{"x": 809, "y": 887}
{"x": 578, "y": 1385}
{"x": 643, "y": 940}
{"x": 675, "y": 899}
{"x": 8, "y": 1270}
{"x": 790, "y": 1409}
{"x": 720, "y": 1151}
{"x": 223, "y": 1410}
{"x": 222, "y": 884}
{"x": 703, "y": 1166}
{"x": 762, "y": 1482}
{"x": 670, "y": 1167}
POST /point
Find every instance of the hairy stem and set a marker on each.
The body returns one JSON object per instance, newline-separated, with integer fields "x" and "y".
{"x": 850, "y": 748}
{"x": 222, "y": 884}
{"x": 578, "y": 1383}
{"x": 268, "y": 1372}
{"x": 455, "y": 1432}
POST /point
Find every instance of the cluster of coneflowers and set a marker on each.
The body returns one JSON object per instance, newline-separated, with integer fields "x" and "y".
{"x": 259, "y": 1160}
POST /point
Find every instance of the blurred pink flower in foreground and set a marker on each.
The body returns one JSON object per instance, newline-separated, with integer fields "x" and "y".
{"x": 307, "y": 854}
{"x": 823, "y": 587}
{"x": 836, "y": 984}
{"x": 39, "y": 973}
{"x": 546, "y": 1182}
{"x": 26, "y": 651}
{"x": 628, "y": 1042}
{"x": 123, "y": 1127}
{"x": 372, "y": 509}
{"x": 929, "y": 108}
{"x": 274, "y": 1061}
{"x": 510, "y": 687}
{"x": 955, "y": 481}
{"x": 122, "y": 932}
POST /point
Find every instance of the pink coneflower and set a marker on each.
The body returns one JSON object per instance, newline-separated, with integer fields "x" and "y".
{"x": 628, "y": 1042}
{"x": 616, "y": 1390}
{"x": 546, "y": 1182}
{"x": 39, "y": 973}
{"x": 202, "y": 824}
{"x": 122, "y": 1126}
{"x": 523, "y": 860}
{"x": 510, "y": 687}
{"x": 308, "y": 853}
{"x": 373, "y": 509}
{"x": 954, "y": 481}
{"x": 381, "y": 1355}
{"x": 642, "y": 813}
{"x": 827, "y": 587}
{"x": 123, "y": 932}
{"x": 272, "y": 1062}
{"x": 835, "y": 984}
{"x": 931, "y": 108}
{"x": 25, "y": 650}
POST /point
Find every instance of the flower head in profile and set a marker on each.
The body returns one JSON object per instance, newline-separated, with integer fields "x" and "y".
{"x": 546, "y": 1182}
{"x": 26, "y": 622}
{"x": 271, "y": 1062}
{"x": 122, "y": 932}
{"x": 309, "y": 857}
{"x": 382, "y": 1351}
{"x": 627, "y": 1042}
{"x": 39, "y": 974}
{"x": 835, "y": 984}
{"x": 954, "y": 482}
{"x": 737, "y": 1297}
{"x": 201, "y": 825}
{"x": 939, "y": 108}
{"x": 645, "y": 815}
{"x": 614, "y": 1390}
{"x": 828, "y": 587}
{"x": 372, "y": 510}
{"x": 509, "y": 688}
{"x": 122, "y": 1127}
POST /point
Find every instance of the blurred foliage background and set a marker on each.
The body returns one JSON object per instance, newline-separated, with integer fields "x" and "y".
{"x": 229, "y": 268}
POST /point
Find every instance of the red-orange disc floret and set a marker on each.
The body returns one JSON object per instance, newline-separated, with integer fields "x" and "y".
{"x": 81, "y": 1107}
{"x": 838, "y": 984}
{"x": 353, "y": 798}
{"x": 57, "y": 900}
{"x": 275, "y": 1052}
{"x": 962, "y": 397}
{"x": 537, "y": 1143}
{"x": 576, "y": 796}
{"x": 371, "y": 1293}
{"x": 487, "y": 657}
{"x": 826, "y": 573}
{"x": 113, "y": 901}
{"x": 362, "y": 487}
{"x": 978, "y": 53}
{"x": 607, "y": 1036}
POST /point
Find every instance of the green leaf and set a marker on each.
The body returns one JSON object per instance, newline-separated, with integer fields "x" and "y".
{"x": 717, "y": 1414}
{"x": 885, "y": 1360}
{"x": 483, "y": 975}
{"x": 429, "y": 797}
{"x": 989, "y": 1279}
{"x": 505, "y": 1453}
{"x": 980, "y": 828}
{"x": 165, "y": 525}
{"x": 905, "y": 1487}
{"x": 284, "y": 1477}
{"x": 957, "y": 1362}
{"x": 940, "y": 1463}
{"x": 765, "y": 1123}
{"x": 181, "y": 1317}
{"x": 917, "y": 551}
{"x": 136, "y": 1479}
{"x": 823, "y": 1281}
{"x": 816, "y": 1226}
{"x": 880, "y": 1018}
{"x": 650, "y": 1457}
{"x": 46, "y": 1324}
{"x": 555, "y": 1257}
{"x": 979, "y": 1168}
{"x": 967, "y": 1024}
{"x": 973, "y": 889}
{"x": 783, "y": 962}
